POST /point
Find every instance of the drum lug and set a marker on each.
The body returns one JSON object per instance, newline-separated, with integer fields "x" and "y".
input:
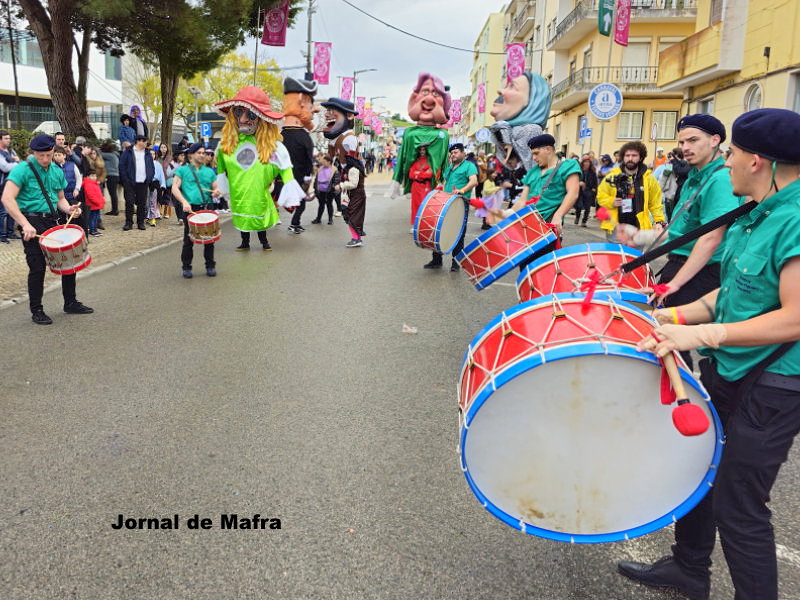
{"x": 507, "y": 332}
{"x": 558, "y": 314}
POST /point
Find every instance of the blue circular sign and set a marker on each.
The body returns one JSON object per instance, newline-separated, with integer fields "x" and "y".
{"x": 605, "y": 101}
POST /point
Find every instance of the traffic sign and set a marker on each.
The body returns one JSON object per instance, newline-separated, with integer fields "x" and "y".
{"x": 205, "y": 129}
{"x": 483, "y": 135}
{"x": 583, "y": 127}
{"x": 605, "y": 101}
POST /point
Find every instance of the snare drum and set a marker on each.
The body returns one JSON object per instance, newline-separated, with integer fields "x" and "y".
{"x": 567, "y": 269}
{"x": 204, "y": 227}
{"x": 65, "y": 249}
{"x": 563, "y": 434}
{"x": 440, "y": 221}
{"x": 494, "y": 253}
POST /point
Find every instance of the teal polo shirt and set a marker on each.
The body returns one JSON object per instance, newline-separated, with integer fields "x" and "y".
{"x": 457, "y": 177}
{"x": 30, "y": 197}
{"x": 714, "y": 200}
{"x": 189, "y": 188}
{"x": 551, "y": 198}
{"x": 757, "y": 247}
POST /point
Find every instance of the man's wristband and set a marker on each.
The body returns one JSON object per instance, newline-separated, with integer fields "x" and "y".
{"x": 677, "y": 316}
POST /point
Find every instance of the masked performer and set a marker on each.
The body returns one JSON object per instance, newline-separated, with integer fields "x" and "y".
{"x": 249, "y": 158}
{"x": 298, "y": 106}
{"x": 338, "y": 130}
{"x": 520, "y": 112}
{"x": 429, "y": 107}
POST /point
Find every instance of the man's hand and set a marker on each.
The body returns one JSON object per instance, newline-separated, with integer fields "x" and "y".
{"x": 507, "y": 185}
{"x": 187, "y": 208}
{"x": 556, "y": 222}
{"x": 75, "y": 210}
{"x": 28, "y": 232}
{"x": 683, "y": 337}
{"x": 617, "y": 201}
{"x": 659, "y": 298}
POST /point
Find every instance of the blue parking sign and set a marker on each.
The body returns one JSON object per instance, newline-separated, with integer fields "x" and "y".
{"x": 205, "y": 129}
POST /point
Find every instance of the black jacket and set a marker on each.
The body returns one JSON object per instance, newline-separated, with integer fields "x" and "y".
{"x": 127, "y": 166}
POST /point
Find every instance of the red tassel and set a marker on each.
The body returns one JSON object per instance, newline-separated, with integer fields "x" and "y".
{"x": 589, "y": 287}
{"x": 602, "y": 214}
{"x": 477, "y": 203}
{"x": 689, "y": 419}
{"x": 668, "y": 395}
{"x": 532, "y": 200}
{"x": 660, "y": 288}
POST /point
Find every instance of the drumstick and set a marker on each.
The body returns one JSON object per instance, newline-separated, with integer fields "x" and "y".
{"x": 71, "y": 216}
{"x": 689, "y": 419}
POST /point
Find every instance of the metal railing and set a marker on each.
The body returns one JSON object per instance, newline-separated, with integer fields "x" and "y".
{"x": 519, "y": 21}
{"x": 584, "y": 8}
{"x": 626, "y": 77}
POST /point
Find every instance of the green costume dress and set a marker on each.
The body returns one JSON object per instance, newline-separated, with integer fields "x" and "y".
{"x": 249, "y": 180}
{"x": 438, "y": 141}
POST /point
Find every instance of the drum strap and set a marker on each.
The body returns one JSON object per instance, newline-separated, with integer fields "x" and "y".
{"x": 550, "y": 178}
{"x": 44, "y": 190}
{"x": 199, "y": 187}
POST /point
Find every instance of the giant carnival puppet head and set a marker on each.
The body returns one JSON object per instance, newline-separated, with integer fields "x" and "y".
{"x": 298, "y": 102}
{"x": 250, "y": 113}
{"x": 429, "y": 104}
{"x": 520, "y": 111}
{"x": 339, "y": 117}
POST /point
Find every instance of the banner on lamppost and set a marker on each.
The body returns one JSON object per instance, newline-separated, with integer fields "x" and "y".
{"x": 605, "y": 17}
{"x": 368, "y": 114}
{"x": 360, "y": 102}
{"x": 322, "y": 62}
{"x": 455, "y": 110}
{"x": 378, "y": 126}
{"x": 481, "y": 97}
{"x": 347, "y": 88}
{"x": 275, "y": 22}
{"x": 623, "y": 22}
{"x": 515, "y": 60}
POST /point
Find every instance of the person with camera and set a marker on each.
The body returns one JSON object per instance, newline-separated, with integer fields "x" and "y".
{"x": 631, "y": 194}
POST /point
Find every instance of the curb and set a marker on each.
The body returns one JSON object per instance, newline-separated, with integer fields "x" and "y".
{"x": 104, "y": 267}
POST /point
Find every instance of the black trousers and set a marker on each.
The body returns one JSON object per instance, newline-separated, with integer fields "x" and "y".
{"x": 262, "y": 237}
{"x": 298, "y": 212}
{"x": 325, "y": 200}
{"x": 706, "y": 280}
{"x": 760, "y": 425}
{"x": 187, "y": 252}
{"x": 437, "y": 256}
{"x": 112, "y": 182}
{"x": 135, "y": 194}
{"x": 37, "y": 265}
{"x": 583, "y": 205}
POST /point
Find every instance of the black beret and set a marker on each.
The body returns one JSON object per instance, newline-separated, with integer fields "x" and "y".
{"x": 456, "y": 146}
{"x": 299, "y": 86}
{"x": 194, "y": 148}
{"x": 711, "y": 125}
{"x": 42, "y": 143}
{"x": 769, "y": 132}
{"x": 542, "y": 140}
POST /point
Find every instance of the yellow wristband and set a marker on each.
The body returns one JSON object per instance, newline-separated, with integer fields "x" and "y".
{"x": 677, "y": 317}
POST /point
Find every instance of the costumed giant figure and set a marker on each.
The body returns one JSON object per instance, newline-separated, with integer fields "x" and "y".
{"x": 338, "y": 130}
{"x": 520, "y": 111}
{"x": 249, "y": 158}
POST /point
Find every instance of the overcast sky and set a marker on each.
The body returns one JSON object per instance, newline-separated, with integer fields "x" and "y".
{"x": 362, "y": 43}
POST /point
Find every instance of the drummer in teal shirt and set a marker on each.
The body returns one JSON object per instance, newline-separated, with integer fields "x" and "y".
{"x": 460, "y": 178}
{"x": 749, "y": 327}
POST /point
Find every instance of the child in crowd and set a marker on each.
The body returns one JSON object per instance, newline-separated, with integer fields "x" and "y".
{"x": 95, "y": 200}
{"x": 493, "y": 197}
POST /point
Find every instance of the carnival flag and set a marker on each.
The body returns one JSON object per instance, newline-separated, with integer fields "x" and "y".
{"x": 368, "y": 114}
{"x": 379, "y": 127}
{"x": 322, "y": 62}
{"x": 360, "y": 102}
{"x": 623, "y": 22}
{"x": 275, "y": 21}
{"x": 515, "y": 60}
{"x": 456, "y": 111}
{"x": 347, "y": 88}
{"x": 481, "y": 97}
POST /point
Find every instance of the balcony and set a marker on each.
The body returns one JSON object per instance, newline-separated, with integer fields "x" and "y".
{"x": 699, "y": 58}
{"x": 631, "y": 81}
{"x": 583, "y": 19}
{"x": 521, "y": 26}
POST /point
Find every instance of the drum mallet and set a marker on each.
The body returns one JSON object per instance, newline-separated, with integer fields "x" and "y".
{"x": 72, "y": 216}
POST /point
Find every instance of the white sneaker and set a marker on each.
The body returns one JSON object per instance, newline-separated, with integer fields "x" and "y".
{"x": 411, "y": 231}
{"x": 337, "y": 214}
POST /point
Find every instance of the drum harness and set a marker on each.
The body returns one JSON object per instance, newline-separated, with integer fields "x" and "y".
{"x": 199, "y": 187}
{"x": 53, "y": 210}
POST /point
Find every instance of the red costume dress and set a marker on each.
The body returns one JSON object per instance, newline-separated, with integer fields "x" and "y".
{"x": 420, "y": 175}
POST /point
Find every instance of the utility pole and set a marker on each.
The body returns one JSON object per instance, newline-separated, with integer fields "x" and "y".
{"x": 309, "y": 72}
{"x": 11, "y": 43}
{"x": 608, "y": 64}
{"x": 258, "y": 43}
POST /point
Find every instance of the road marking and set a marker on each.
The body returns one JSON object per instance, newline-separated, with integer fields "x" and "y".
{"x": 788, "y": 555}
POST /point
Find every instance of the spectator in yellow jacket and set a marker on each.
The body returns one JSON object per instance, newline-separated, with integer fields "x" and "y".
{"x": 631, "y": 193}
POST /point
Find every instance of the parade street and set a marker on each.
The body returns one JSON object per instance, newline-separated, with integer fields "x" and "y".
{"x": 285, "y": 388}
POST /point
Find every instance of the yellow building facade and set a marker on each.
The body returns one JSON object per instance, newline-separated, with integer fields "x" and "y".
{"x": 487, "y": 68}
{"x": 740, "y": 56}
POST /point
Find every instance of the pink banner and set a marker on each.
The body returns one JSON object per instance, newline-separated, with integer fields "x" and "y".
{"x": 347, "y": 88}
{"x": 379, "y": 128}
{"x": 368, "y": 114}
{"x": 515, "y": 60}
{"x": 481, "y": 97}
{"x": 275, "y": 21}
{"x": 623, "y": 22}
{"x": 322, "y": 62}
{"x": 455, "y": 111}
{"x": 360, "y": 102}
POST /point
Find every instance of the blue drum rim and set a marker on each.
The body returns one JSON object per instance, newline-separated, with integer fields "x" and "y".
{"x": 570, "y": 251}
{"x": 438, "y": 230}
{"x": 506, "y": 266}
{"x": 571, "y": 351}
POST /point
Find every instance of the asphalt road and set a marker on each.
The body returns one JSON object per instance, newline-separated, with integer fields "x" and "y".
{"x": 283, "y": 387}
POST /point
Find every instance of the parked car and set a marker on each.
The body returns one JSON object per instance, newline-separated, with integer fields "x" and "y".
{"x": 101, "y": 130}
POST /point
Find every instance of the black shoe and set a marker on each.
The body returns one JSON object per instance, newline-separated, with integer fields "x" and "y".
{"x": 665, "y": 572}
{"x": 112, "y": 213}
{"x": 142, "y": 227}
{"x": 434, "y": 264}
{"x": 316, "y": 221}
{"x": 330, "y": 221}
{"x": 40, "y": 318}
{"x": 454, "y": 267}
{"x": 584, "y": 224}
{"x": 485, "y": 226}
{"x": 577, "y": 219}
{"x": 76, "y": 308}
{"x": 266, "y": 247}
{"x": 187, "y": 273}
{"x": 127, "y": 228}
{"x": 211, "y": 271}
{"x": 242, "y": 247}
{"x": 4, "y": 240}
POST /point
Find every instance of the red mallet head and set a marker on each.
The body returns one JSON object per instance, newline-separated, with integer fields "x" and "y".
{"x": 602, "y": 214}
{"x": 689, "y": 419}
{"x": 477, "y": 203}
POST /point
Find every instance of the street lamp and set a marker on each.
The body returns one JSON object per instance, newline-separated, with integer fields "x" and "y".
{"x": 355, "y": 78}
{"x": 195, "y": 91}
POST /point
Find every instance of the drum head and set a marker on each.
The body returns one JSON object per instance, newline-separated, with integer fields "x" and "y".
{"x": 451, "y": 224}
{"x": 62, "y": 237}
{"x": 203, "y": 218}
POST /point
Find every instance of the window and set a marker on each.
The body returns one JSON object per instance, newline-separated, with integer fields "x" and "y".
{"x": 113, "y": 67}
{"x": 795, "y": 101}
{"x": 537, "y": 34}
{"x": 629, "y": 125}
{"x": 587, "y": 57}
{"x": 752, "y": 97}
{"x": 667, "y": 122}
{"x": 715, "y": 16}
{"x": 706, "y": 106}
{"x": 572, "y": 66}
{"x": 26, "y": 50}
